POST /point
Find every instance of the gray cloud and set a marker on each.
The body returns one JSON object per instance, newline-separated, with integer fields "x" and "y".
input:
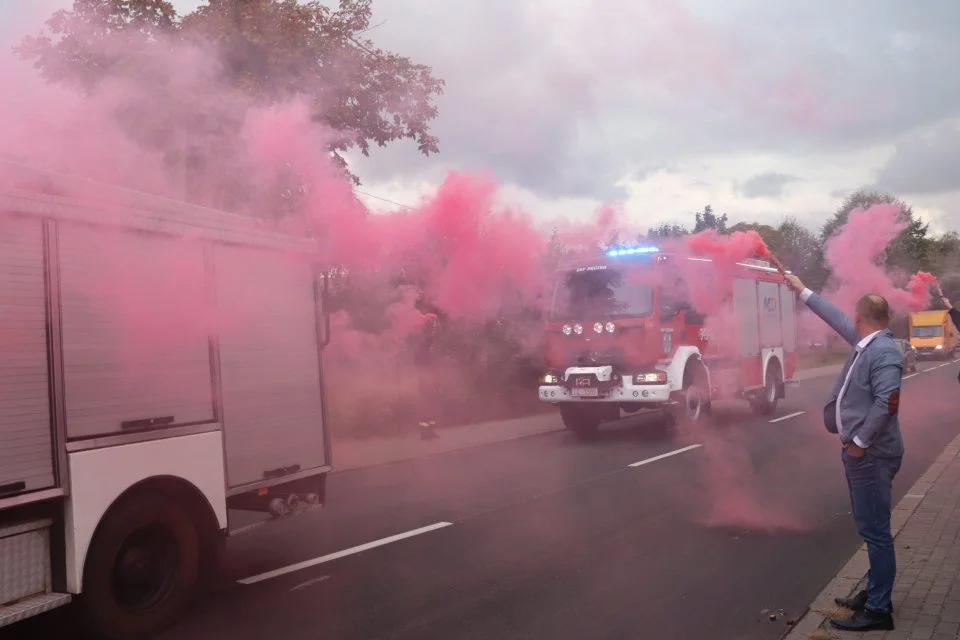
{"x": 766, "y": 185}
{"x": 562, "y": 100}
{"x": 924, "y": 164}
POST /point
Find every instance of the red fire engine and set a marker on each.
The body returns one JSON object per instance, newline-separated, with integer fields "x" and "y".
{"x": 622, "y": 335}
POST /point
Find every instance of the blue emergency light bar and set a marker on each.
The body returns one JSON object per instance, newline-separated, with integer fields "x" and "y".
{"x": 631, "y": 251}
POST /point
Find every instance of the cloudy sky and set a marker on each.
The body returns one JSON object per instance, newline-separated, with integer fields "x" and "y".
{"x": 759, "y": 108}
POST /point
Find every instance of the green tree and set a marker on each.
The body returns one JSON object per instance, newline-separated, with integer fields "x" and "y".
{"x": 909, "y": 251}
{"x": 944, "y": 253}
{"x": 802, "y": 253}
{"x": 944, "y": 262}
{"x": 707, "y": 219}
{"x": 664, "y": 230}
{"x": 268, "y": 51}
{"x": 771, "y": 236}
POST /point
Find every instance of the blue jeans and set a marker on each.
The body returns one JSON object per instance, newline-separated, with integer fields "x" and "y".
{"x": 870, "y": 480}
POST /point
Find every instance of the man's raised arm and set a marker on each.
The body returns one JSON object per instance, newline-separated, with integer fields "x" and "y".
{"x": 826, "y": 310}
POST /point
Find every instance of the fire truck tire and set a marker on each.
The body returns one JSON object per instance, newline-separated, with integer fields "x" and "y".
{"x": 694, "y": 400}
{"x": 765, "y": 402}
{"x": 142, "y": 569}
{"x": 584, "y": 421}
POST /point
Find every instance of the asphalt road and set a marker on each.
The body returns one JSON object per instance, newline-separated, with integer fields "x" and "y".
{"x": 546, "y": 537}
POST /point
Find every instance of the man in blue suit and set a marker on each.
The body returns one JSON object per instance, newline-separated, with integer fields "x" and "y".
{"x": 863, "y": 410}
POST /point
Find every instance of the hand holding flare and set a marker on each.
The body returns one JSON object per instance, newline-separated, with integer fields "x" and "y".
{"x": 792, "y": 281}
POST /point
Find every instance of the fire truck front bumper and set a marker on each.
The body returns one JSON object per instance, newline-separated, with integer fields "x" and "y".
{"x": 598, "y": 384}
{"x": 648, "y": 394}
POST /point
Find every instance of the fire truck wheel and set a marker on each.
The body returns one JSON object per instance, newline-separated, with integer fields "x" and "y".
{"x": 584, "y": 422}
{"x": 765, "y": 402}
{"x": 694, "y": 400}
{"x": 142, "y": 569}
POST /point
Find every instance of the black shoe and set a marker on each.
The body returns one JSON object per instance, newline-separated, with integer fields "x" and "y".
{"x": 865, "y": 620}
{"x": 857, "y": 602}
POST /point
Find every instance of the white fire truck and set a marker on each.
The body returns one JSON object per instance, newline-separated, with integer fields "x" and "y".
{"x": 617, "y": 340}
{"x": 160, "y": 375}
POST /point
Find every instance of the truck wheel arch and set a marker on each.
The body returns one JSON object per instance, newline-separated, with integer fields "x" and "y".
{"x": 193, "y": 502}
{"x": 676, "y": 370}
{"x": 776, "y": 358}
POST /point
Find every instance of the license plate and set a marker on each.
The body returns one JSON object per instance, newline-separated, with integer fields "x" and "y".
{"x": 584, "y": 392}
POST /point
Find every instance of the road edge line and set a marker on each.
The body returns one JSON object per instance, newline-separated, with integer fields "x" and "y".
{"x": 853, "y": 574}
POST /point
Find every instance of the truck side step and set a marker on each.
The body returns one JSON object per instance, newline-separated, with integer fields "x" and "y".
{"x": 34, "y": 605}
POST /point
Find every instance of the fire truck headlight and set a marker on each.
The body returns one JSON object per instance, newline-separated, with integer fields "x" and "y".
{"x": 598, "y": 327}
{"x": 578, "y": 328}
{"x": 549, "y": 378}
{"x": 567, "y": 329}
{"x": 611, "y": 327}
{"x": 658, "y": 377}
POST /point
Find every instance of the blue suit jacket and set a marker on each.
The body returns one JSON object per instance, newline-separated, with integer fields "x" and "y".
{"x": 871, "y": 404}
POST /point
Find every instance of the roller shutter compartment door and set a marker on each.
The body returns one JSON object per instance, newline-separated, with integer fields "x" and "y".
{"x": 136, "y": 331}
{"x": 771, "y": 329}
{"x": 26, "y": 441}
{"x": 747, "y": 317}
{"x": 269, "y": 363}
{"x": 788, "y": 318}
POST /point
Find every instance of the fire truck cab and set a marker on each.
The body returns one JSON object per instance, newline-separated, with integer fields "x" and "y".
{"x": 623, "y": 336}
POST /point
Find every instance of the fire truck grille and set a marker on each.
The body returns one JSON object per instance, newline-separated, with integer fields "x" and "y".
{"x": 588, "y": 357}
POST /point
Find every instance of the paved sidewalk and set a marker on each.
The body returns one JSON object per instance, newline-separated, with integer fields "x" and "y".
{"x": 926, "y": 597}
{"x": 367, "y": 452}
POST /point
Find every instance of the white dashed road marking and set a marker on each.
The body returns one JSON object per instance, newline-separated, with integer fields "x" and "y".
{"x": 309, "y": 583}
{"x": 788, "y": 416}
{"x": 664, "y": 455}
{"x": 341, "y": 554}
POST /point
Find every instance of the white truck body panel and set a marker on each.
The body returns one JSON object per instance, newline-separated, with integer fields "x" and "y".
{"x": 26, "y": 439}
{"x": 142, "y": 339}
{"x": 269, "y": 364}
{"x": 771, "y": 331}
{"x": 135, "y": 344}
{"x": 745, "y": 305}
{"x": 99, "y": 476}
{"x": 788, "y": 316}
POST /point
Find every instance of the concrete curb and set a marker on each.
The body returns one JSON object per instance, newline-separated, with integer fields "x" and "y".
{"x": 853, "y": 574}
{"x": 451, "y": 449}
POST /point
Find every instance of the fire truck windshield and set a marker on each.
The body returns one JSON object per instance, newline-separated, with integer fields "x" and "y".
{"x": 599, "y": 293}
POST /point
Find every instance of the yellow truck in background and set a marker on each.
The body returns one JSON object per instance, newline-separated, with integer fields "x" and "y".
{"x": 932, "y": 334}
